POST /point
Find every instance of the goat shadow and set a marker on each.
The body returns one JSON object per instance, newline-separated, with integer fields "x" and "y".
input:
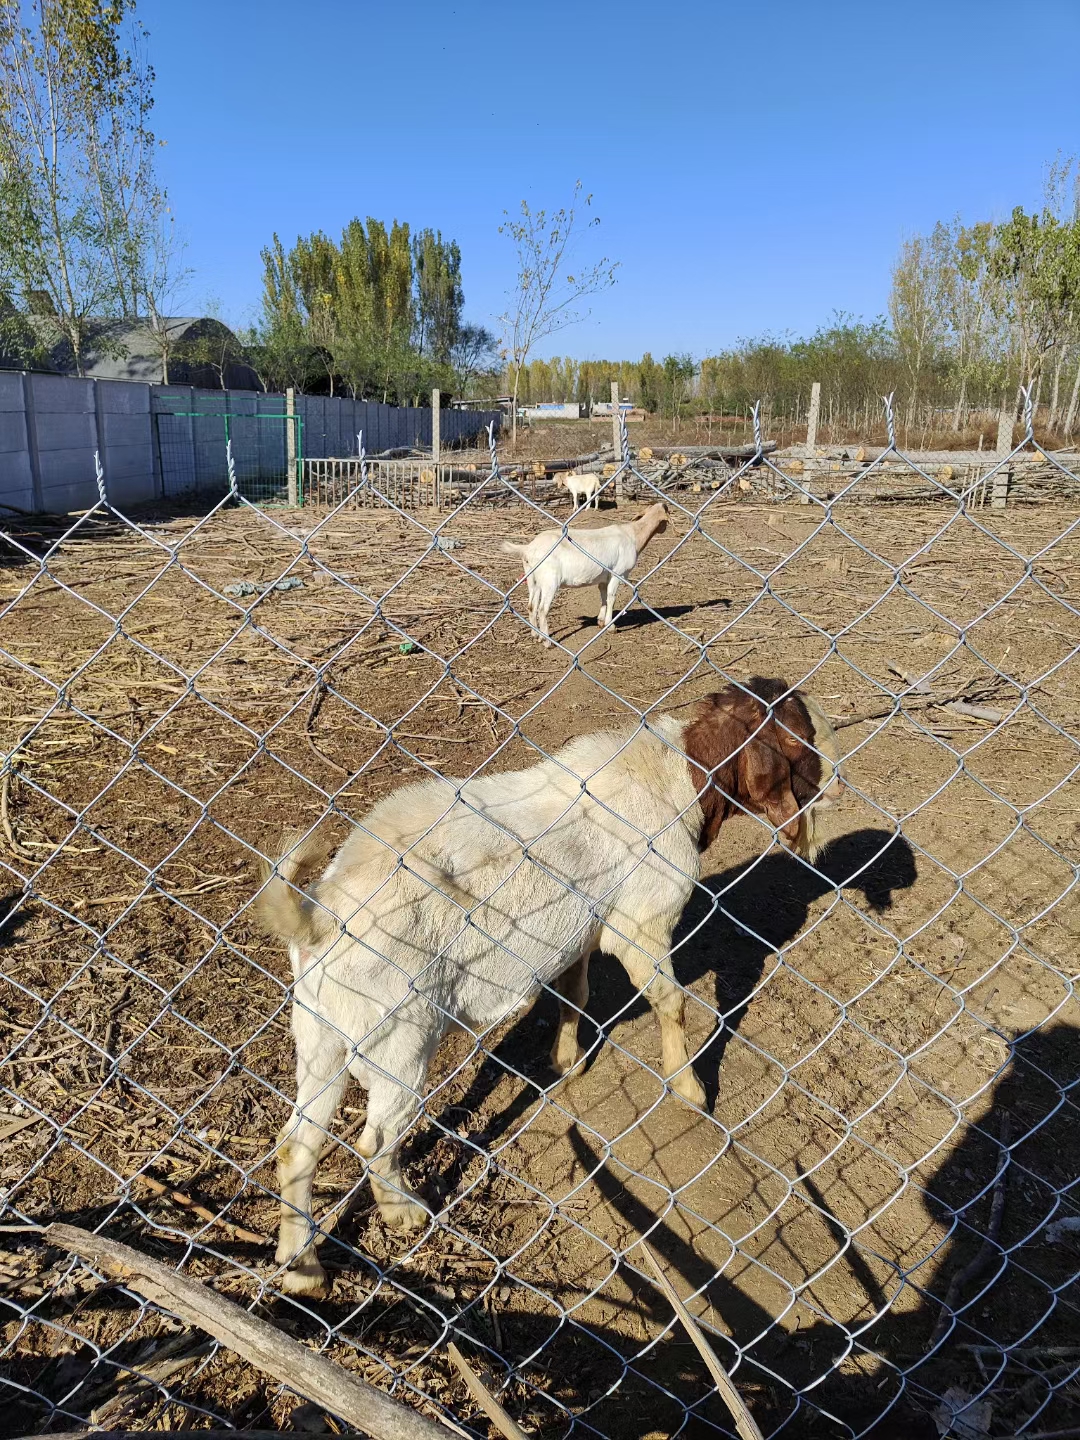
{"x": 733, "y": 922}
{"x": 639, "y": 615}
{"x": 646, "y": 614}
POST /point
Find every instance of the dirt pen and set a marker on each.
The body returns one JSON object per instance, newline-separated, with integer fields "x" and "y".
{"x": 890, "y": 1042}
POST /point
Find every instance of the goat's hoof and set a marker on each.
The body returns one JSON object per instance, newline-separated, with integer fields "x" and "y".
{"x": 563, "y": 1061}
{"x": 689, "y": 1087}
{"x": 308, "y": 1279}
{"x": 404, "y": 1214}
{"x": 290, "y": 1251}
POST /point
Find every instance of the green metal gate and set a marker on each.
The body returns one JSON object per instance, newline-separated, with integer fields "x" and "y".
{"x": 191, "y": 449}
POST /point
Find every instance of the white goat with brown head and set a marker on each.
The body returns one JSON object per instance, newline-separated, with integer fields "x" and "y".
{"x": 453, "y": 902}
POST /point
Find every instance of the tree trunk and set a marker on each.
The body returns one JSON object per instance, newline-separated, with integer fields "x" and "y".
{"x": 514, "y": 408}
{"x": 1055, "y": 392}
{"x": 1074, "y": 403}
{"x": 960, "y": 399}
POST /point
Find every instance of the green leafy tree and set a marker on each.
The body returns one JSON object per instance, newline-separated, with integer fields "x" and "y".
{"x": 79, "y": 205}
{"x": 678, "y": 371}
{"x": 313, "y": 265}
{"x": 278, "y": 344}
{"x": 649, "y": 382}
{"x": 1037, "y": 260}
{"x": 376, "y": 313}
{"x": 439, "y": 295}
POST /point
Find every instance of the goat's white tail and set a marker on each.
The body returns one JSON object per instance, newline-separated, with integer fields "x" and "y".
{"x": 279, "y": 906}
{"x": 511, "y": 547}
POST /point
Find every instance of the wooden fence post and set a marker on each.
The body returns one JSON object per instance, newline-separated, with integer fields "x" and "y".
{"x": 290, "y": 447}
{"x": 811, "y": 439}
{"x": 436, "y": 426}
{"x": 999, "y": 493}
{"x": 620, "y": 484}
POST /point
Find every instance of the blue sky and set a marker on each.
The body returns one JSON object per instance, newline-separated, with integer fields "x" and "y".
{"x": 754, "y": 167}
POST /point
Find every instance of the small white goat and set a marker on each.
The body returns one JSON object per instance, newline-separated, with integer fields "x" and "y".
{"x": 585, "y": 485}
{"x": 454, "y": 901}
{"x": 602, "y": 557}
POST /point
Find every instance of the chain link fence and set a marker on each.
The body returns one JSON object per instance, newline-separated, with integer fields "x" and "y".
{"x": 871, "y": 1208}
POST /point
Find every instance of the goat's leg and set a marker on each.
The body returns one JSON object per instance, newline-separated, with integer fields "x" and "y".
{"x": 536, "y": 599}
{"x": 646, "y": 958}
{"x": 573, "y": 985}
{"x": 608, "y": 591}
{"x": 601, "y": 614}
{"x": 532, "y": 599}
{"x": 393, "y": 1104}
{"x": 543, "y": 605}
{"x": 320, "y": 1079}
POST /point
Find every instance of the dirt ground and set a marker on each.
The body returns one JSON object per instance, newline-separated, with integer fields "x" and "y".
{"x": 883, "y": 1025}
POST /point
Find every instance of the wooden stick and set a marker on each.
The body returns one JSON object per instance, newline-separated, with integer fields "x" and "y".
{"x": 214, "y": 882}
{"x": 745, "y": 1423}
{"x": 921, "y": 686}
{"x": 16, "y": 1124}
{"x": 179, "y": 1198}
{"x": 900, "y": 706}
{"x": 314, "y": 1376}
{"x": 5, "y": 818}
{"x": 316, "y": 705}
{"x": 990, "y": 713}
{"x": 484, "y": 1398}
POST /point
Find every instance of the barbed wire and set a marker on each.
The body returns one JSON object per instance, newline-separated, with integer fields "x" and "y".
{"x": 878, "y": 1203}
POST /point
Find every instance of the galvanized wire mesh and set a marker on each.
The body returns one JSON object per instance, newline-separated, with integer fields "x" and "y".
{"x": 870, "y": 1214}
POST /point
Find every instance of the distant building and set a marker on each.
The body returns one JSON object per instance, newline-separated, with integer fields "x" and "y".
{"x": 197, "y": 349}
{"x": 504, "y": 403}
{"x": 553, "y": 410}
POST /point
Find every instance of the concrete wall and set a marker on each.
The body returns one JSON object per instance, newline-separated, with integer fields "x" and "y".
{"x": 161, "y": 441}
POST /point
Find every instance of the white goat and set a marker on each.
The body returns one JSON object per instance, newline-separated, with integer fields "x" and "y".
{"x": 453, "y": 902}
{"x": 585, "y": 485}
{"x": 602, "y": 557}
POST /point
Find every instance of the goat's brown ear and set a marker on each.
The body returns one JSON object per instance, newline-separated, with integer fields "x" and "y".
{"x": 766, "y": 782}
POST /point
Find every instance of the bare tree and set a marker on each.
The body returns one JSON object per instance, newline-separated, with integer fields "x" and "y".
{"x": 921, "y": 283}
{"x": 163, "y": 276}
{"x": 546, "y": 293}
